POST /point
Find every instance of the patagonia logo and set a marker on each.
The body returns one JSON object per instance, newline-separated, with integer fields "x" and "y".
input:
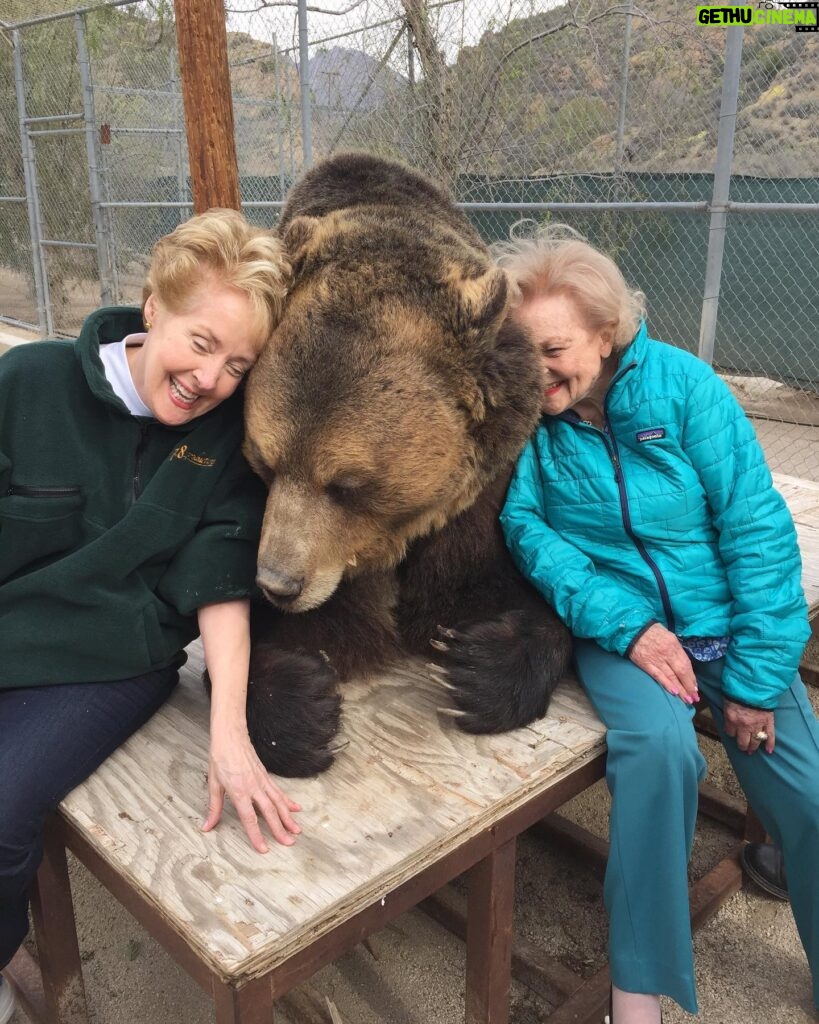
{"x": 652, "y": 434}
{"x": 181, "y": 452}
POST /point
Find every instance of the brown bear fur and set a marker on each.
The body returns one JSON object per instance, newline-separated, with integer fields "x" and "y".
{"x": 385, "y": 416}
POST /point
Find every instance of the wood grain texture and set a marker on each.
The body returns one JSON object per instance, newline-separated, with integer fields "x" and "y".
{"x": 407, "y": 789}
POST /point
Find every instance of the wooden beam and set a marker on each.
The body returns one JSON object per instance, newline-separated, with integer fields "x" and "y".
{"x": 490, "y": 907}
{"x": 201, "y": 41}
{"x": 59, "y": 953}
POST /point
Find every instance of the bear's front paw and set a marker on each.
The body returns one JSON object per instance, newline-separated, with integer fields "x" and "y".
{"x": 293, "y": 710}
{"x": 501, "y": 673}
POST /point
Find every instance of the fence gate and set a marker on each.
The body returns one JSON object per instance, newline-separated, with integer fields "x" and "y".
{"x": 70, "y": 255}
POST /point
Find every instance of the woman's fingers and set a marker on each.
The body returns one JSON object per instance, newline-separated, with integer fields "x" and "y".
{"x": 752, "y": 728}
{"x": 274, "y": 810}
{"x": 254, "y": 794}
{"x": 216, "y": 802}
{"x": 250, "y": 823}
{"x": 659, "y": 653}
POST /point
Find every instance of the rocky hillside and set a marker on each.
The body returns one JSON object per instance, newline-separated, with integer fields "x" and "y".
{"x": 555, "y": 93}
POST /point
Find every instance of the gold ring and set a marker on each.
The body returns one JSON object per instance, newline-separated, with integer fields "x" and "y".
{"x": 760, "y": 736}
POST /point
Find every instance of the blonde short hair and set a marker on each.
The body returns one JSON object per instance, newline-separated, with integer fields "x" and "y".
{"x": 557, "y": 259}
{"x": 221, "y": 243}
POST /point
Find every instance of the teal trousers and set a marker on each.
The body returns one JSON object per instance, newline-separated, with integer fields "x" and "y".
{"x": 652, "y": 771}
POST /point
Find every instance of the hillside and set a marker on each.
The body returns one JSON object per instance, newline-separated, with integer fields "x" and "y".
{"x": 551, "y": 105}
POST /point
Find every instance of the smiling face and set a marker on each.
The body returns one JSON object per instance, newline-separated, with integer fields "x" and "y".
{"x": 194, "y": 358}
{"x": 573, "y": 356}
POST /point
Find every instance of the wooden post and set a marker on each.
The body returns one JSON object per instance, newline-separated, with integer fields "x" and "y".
{"x": 490, "y": 906}
{"x": 201, "y": 41}
{"x": 56, "y": 931}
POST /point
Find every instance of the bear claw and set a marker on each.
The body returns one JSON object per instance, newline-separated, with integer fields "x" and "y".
{"x": 439, "y": 675}
{"x": 451, "y": 712}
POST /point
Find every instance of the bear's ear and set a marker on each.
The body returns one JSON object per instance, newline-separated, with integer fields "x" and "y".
{"x": 298, "y": 238}
{"x": 481, "y": 302}
{"x": 481, "y": 305}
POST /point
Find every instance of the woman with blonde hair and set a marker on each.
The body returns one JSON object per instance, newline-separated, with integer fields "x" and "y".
{"x": 644, "y": 512}
{"x": 129, "y": 522}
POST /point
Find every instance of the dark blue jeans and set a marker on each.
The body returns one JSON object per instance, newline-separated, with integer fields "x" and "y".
{"x": 51, "y": 739}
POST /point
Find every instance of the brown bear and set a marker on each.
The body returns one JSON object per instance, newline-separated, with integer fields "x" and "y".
{"x": 385, "y": 416}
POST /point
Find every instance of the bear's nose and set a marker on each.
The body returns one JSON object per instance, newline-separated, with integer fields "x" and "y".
{"x": 279, "y": 586}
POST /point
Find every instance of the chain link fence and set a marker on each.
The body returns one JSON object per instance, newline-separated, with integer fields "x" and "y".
{"x": 614, "y": 118}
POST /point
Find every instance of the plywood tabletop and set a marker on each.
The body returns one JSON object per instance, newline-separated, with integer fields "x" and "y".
{"x": 407, "y": 788}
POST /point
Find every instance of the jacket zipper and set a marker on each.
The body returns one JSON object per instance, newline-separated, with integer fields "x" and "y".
{"x": 24, "y": 491}
{"x": 140, "y": 451}
{"x": 610, "y": 443}
{"x": 614, "y": 454}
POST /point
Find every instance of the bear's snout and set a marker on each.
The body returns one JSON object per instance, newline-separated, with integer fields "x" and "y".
{"x": 278, "y": 587}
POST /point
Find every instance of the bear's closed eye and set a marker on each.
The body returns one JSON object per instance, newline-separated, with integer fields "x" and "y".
{"x": 347, "y": 490}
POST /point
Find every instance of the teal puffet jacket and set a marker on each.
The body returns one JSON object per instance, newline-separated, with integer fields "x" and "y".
{"x": 669, "y": 515}
{"x": 114, "y": 529}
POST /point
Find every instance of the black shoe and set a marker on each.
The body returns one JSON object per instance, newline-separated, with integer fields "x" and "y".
{"x": 763, "y": 864}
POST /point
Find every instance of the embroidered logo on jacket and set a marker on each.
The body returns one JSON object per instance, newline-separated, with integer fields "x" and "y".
{"x": 181, "y": 452}
{"x": 652, "y": 434}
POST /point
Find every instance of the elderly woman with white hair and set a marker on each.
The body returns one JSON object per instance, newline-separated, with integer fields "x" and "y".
{"x": 644, "y": 512}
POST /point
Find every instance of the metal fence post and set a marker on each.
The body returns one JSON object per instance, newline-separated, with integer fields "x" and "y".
{"x": 103, "y": 256}
{"x": 279, "y": 93}
{"x": 722, "y": 187}
{"x": 44, "y": 317}
{"x": 304, "y": 88}
{"x": 179, "y": 129}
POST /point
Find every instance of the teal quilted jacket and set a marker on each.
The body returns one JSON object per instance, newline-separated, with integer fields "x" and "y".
{"x": 668, "y": 515}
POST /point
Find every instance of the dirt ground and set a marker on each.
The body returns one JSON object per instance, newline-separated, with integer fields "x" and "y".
{"x": 750, "y": 964}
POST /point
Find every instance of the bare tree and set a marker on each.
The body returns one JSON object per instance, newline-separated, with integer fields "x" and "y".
{"x": 436, "y": 112}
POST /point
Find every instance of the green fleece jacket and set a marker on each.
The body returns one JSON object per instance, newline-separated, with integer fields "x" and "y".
{"x": 113, "y": 529}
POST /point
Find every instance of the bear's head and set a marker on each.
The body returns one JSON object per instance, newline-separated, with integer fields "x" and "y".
{"x": 391, "y": 393}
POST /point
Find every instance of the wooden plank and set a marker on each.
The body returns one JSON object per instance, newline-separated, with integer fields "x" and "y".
{"x": 251, "y": 1004}
{"x": 429, "y": 789}
{"x": 489, "y": 937}
{"x": 588, "y": 1004}
{"x": 531, "y": 966}
{"x": 708, "y": 894}
{"x": 731, "y": 811}
{"x": 57, "y": 946}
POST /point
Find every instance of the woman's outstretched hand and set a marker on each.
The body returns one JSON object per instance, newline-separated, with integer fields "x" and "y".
{"x": 235, "y": 769}
{"x": 234, "y": 766}
{"x": 659, "y": 653}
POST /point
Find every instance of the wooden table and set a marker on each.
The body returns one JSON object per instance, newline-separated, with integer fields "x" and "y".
{"x": 410, "y": 803}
